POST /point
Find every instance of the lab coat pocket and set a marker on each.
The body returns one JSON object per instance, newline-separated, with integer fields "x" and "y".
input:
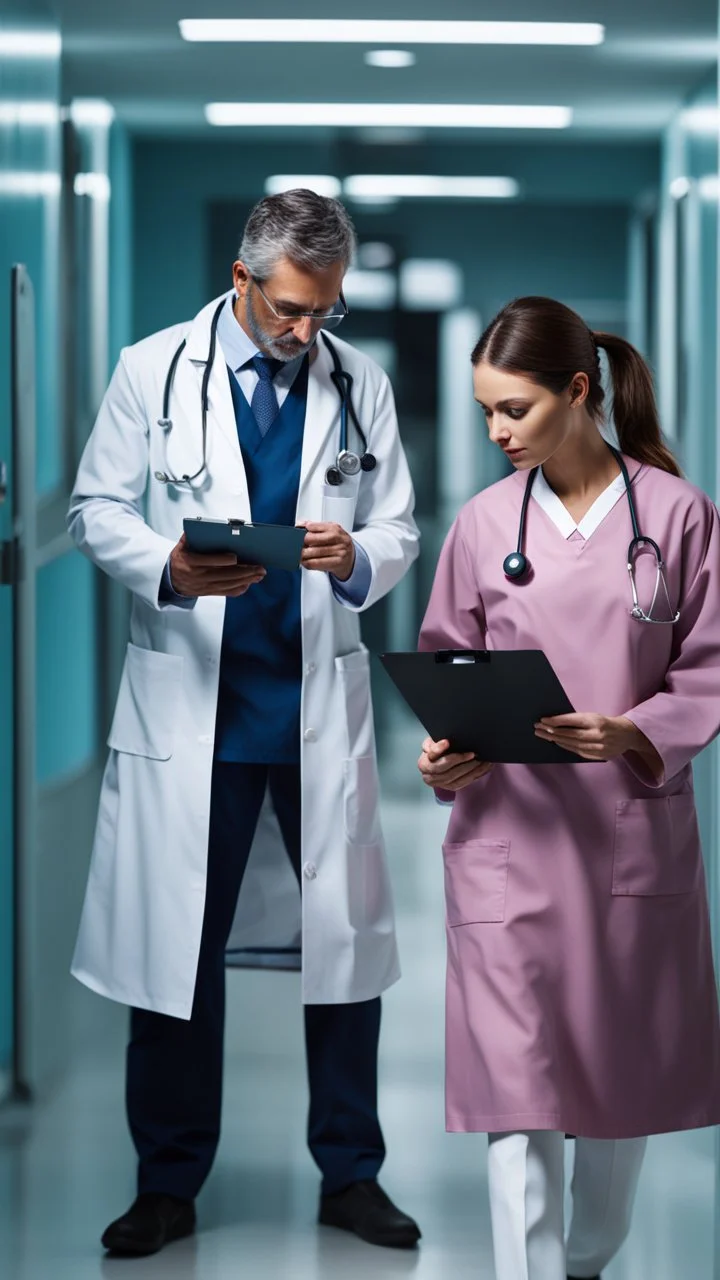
{"x": 146, "y": 711}
{"x": 476, "y": 873}
{"x": 339, "y": 501}
{"x": 354, "y": 672}
{"x": 361, "y": 799}
{"x": 657, "y": 847}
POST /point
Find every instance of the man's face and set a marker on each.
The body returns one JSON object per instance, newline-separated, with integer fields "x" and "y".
{"x": 290, "y": 292}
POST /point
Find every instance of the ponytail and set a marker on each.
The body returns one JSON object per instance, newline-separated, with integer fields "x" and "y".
{"x": 634, "y": 408}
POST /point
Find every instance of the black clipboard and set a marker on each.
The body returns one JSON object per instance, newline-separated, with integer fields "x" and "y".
{"x": 275, "y": 546}
{"x": 485, "y": 701}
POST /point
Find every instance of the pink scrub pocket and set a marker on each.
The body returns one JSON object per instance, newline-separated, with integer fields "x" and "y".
{"x": 476, "y": 873}
{"x": 657, "y": 847}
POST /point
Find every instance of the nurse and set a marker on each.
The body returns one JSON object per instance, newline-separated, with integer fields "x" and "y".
{"x": 581, "y": 996}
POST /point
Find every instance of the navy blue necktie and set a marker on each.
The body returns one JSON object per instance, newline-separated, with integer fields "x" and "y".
{"x": 264, "y": 403}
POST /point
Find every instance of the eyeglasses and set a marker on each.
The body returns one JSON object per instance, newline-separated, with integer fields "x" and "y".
{"x": 327, "y": 319}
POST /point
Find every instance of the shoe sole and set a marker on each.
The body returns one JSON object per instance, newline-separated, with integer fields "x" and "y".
{"x": 125, "y": 1249}
{"x": 384, "y": 1242}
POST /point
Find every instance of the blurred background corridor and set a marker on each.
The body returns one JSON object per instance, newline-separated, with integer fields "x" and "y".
{"x": 132, "y": 147}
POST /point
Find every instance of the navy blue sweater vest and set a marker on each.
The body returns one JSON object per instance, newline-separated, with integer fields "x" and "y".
{"x": 258, "y": 716}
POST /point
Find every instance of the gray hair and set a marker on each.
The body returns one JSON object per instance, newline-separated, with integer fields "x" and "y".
{"x": 313, "y": 231}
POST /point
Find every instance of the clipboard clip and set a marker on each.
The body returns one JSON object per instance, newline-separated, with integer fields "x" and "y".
{"x": 462, "y": 655}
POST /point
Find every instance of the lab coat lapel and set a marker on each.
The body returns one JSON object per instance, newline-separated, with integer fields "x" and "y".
{"x": 322, "y": 416}
{"x": 221, "y": 411}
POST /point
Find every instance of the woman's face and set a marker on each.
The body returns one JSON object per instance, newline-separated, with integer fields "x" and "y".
{"x": 527, "y": 421}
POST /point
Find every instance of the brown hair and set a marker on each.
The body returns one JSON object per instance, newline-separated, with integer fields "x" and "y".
{"x": 547, "y": 342}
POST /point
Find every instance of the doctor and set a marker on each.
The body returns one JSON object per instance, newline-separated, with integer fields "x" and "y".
{"x": 244, "y": 718}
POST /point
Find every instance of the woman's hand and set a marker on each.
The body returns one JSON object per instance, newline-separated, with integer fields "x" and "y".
{"x": 596, "y": 737}
{"x": 449, "y": 770}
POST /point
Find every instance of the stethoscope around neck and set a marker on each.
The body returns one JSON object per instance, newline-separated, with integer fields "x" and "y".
{"x": 516, "y": 565}
{"x": 347, "y": 463}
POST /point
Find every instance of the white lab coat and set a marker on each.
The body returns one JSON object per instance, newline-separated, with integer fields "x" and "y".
{"x": 142, "y": 918}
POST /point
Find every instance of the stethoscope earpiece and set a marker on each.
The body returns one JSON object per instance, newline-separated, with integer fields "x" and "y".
{"x": 332, "y": 476}
{"x": 368, "y": 462}
{"x": 515, "y": 565}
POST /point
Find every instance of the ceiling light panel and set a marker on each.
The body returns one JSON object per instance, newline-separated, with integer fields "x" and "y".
{"x": 398, "y": 32}
{"x": 367, "y": 186}
{"x": 29, "y": 113}
{"x": 30, "y": 44}
{"x": 323, "y": 184}
{"x": 393, "y": 59}
{"x": 419, "y": 115}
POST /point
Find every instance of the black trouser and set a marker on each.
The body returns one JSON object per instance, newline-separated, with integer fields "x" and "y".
{"x": 174, "y": 1067}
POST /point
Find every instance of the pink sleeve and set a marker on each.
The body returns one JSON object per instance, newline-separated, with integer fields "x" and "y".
{"x": 454, "y": 618}
{"x": 684, "y": 716}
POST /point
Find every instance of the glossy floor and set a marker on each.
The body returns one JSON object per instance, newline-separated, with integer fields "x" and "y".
{"x": 66, "y": 1167}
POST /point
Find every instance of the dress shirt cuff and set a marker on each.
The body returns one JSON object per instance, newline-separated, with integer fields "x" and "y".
{"x": 355, "y": 589}
{"x": 168, "y": 594}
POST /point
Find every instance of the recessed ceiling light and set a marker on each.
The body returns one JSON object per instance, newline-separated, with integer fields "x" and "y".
{"x": 29, "y": 113}
{"x": 366, "y": 186}
{"x": 679, "y": 188}
{"x": 30, "y": 44}
{"x": 390, "y": 58}
{"x": 375, "y": 255}
{"x": 28, "y": 183}
{"x": 388, "y": 33}
{"x": 321, "y": 183}
{"x": 422, "y": 115}
{"x": 91, "y": 111}
{"x": 701, "y": 119}
{"x": 94, "y": 185}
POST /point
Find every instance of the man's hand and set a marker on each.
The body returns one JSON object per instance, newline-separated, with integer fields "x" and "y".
{"x": 596, "y": 737}
{"x": 210, "y": 575}
{"x": 449, "y": 770}
{"x": 329, "y": 548}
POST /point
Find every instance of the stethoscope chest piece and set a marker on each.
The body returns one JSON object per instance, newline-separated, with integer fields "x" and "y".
{"x": 348, "y": 462}
{"x": 515, "y": 565}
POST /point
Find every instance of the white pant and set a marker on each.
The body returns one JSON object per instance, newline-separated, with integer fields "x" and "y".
{"x": 526, "y": 1177}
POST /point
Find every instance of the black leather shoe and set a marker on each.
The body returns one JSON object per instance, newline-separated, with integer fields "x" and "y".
{"x": 366, "y": 1210}
{"x": 149, "y": 1224}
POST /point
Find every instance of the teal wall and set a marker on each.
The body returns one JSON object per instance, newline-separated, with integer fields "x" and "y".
{"x": 29, "y": 233}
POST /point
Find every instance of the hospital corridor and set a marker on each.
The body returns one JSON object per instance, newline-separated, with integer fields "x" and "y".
{"x": 284, "y": 288}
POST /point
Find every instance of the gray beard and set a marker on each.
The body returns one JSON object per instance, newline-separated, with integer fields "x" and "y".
{"x": 284, "y": 349}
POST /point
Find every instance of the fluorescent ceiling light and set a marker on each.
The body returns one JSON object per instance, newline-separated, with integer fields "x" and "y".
{"x": 423, "y": 187}
{"x": 375, "y": 255}
{"x": 321, "y": 183}
{"x": 95, "y": 185}
{"x": 24, "y": 113}
{"x": 709, "y": 186}
{"x": 30, "y": 44}
{"x": 390, "y": 58}
{"x": 396, "y": 32}
{"x": 91, "y": 111}
{"x": 370, "y": 290}
{"x": 421, "y": 115}
{"x": 430, "y": 284}
{"x": 701, "y": 119}
{"x": 26, "y": 183}
{"x": 679, "y": 188}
